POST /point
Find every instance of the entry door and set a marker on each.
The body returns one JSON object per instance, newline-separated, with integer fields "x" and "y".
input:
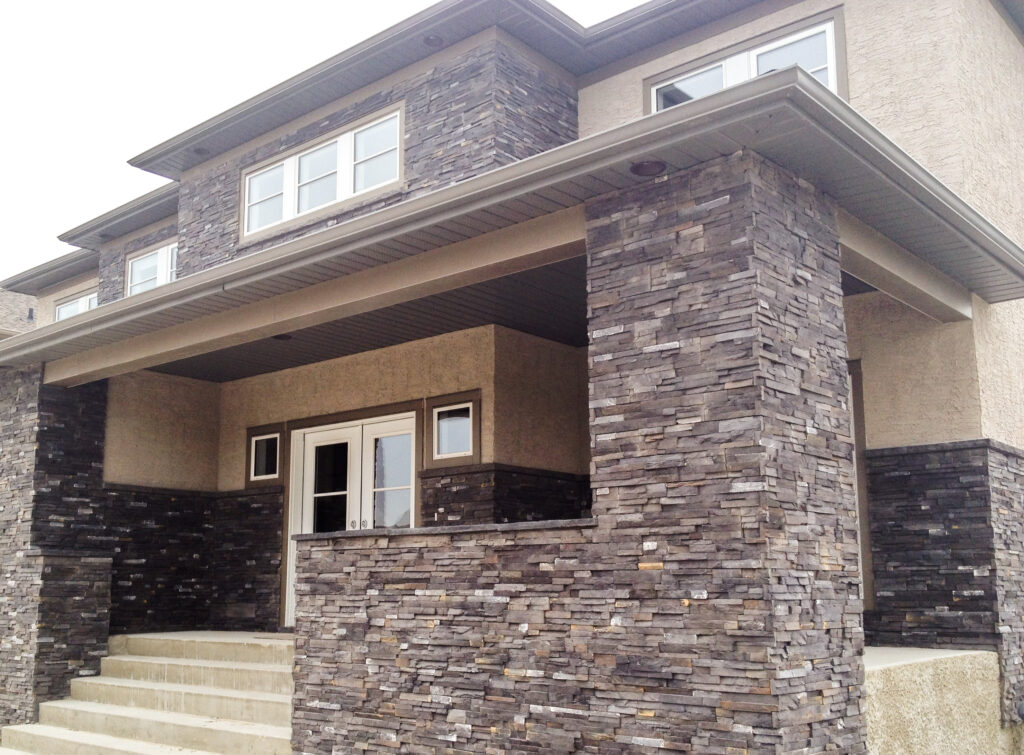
{"x": 353, "y": 476}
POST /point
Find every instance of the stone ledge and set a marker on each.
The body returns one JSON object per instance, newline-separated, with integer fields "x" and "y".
{"x": 957, "y": 445}
{"x": 393, "y": 532}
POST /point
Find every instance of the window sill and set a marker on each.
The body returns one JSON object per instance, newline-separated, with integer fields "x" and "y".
{"x": 416, "y": 532}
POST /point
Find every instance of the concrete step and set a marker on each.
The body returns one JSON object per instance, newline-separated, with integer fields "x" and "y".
{"x": 166, "y": 728}
{"x": 209, "y": 646}
{"x": 235, "y": 705}
{"x": 50, "y": 740}
{"x": 255, "y": 677}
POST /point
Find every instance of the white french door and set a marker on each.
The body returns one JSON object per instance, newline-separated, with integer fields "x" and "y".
{"x": 350, "y": 476}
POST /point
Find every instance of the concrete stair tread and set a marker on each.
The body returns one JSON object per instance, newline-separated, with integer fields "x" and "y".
{"x": 81, "y": 742}
{"x": 201, "y": 662}
{"x": 178, "y": 719}
{"x": 114, "y": 681}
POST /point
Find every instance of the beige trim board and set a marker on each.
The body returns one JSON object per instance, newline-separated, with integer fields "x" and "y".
{"x": 879, "y": 261}
{"x": 542, "y": 241}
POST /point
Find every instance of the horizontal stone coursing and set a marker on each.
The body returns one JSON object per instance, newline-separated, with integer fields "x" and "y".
{"x": 496, "y": 493}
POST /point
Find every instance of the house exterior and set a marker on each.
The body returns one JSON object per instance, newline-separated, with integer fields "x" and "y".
{"x": 565, "y": 389}
{"x": 17, "y": 313}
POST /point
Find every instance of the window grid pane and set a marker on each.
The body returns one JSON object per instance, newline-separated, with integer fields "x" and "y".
{"x": 376, "y": 170}
{"x": 810, "y": 53}
{"x": 691, "y": 87}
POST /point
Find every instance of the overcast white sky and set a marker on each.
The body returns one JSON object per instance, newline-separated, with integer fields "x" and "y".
{"x": 88, "y": 85}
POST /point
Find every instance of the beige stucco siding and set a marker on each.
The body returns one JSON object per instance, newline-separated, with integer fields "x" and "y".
{"x": 540, "y": 414}
{"x": 162, "y": 432}
{"x": 920, "y": 376}
{"x": 999, "y": 332}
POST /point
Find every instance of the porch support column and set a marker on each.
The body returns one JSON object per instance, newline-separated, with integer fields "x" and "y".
{"x": 722, "y": 455}
{"x": 54, "y": 545}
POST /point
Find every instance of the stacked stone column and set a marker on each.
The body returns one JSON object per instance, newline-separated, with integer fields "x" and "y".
{"x": 722, "y": 452}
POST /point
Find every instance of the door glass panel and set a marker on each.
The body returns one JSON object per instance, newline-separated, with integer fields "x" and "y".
{"x": 392, "y": 466}
{"x": 331, "y": 472}
{"x": 329, "y": 512}
{"x": 391, "y": 508}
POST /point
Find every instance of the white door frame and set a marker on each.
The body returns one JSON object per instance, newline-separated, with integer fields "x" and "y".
{"x": 300, "y": 486}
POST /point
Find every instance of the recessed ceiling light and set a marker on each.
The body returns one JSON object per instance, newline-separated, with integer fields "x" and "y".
{"x": 433, "y": 40}
{"x": 647, "y": 168}
{"x": 282, "y": 337}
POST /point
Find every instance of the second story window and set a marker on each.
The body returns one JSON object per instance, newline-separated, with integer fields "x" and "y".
{"x": 76, "y": 305}
{"x": 341, "y": 168}
{"x": 812, "y": 49}
{"x": 153, "y": 268}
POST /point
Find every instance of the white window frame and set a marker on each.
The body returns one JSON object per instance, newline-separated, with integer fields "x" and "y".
{"x": 434, "y": 428}
{"x": 253, "y": 477}
{"x": 743, "y": 65}
{"x": 89, "y": 298}
{"x": 346, "y": 171}
{"x": 166, "y": 267}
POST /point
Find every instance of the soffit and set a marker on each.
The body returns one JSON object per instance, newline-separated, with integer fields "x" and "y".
{"x": 787, "y": 116}
{"x": 535, "y": 22}
{"x": 72, "y": 265}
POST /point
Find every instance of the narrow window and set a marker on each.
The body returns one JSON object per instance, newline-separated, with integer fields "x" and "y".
{"x": 264, "y": 455}
{"x": 453, "y": 431}
{"x": 376, "y": 154}
{"x": 75, "y": 306}
{"x": 265, "y": 197}
{"x": 148, "y": 270}
{"x": 318, "y": 177}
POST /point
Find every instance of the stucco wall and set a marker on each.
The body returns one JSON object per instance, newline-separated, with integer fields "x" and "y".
{"x": 162, "y": 432}
{"x": 540, "y": 409}
{"x": 935, "y": 701}
{"x": 999, "y": 330}
{"x": 46, "y": 311}
{"x": 920, "y": 376}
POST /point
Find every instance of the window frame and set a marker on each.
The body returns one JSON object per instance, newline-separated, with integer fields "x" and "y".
{"x": 253, "y": 440}
{"x": 740, "y": 64}
{"x": 91, "y": 297}
{"x": 166, "y": 266}
{"x": 435, "y": 427}
{"x": 345, "y": 173}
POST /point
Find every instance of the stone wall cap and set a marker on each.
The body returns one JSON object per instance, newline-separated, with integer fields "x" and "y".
{"x": 958, "y": 445}
{"x": 391, "y": 532}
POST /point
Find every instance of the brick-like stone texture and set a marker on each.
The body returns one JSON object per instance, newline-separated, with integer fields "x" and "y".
{"x": 714, "y": 607}
{"x": 17, "y": 312}
{"x": 947, "y": 524}
{"x": 491, "y": 106}
{"x": 113, "y": 260}
{"x": 497, "y": 493}
{"x": 190, "y": 560}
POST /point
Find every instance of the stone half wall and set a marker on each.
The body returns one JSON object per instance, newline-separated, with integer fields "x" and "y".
{"x": 947, "y": 523}
{"x": 711, "y": 604}
{"x": 488, "y": 106}
{"x": 500, "y": 494}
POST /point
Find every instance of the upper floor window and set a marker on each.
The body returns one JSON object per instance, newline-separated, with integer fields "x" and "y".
{"x": 153, "y": 268}
{"x": 812, "y": 49}
{"x": 348, "y": 164}
{"x": 76, "y": 305}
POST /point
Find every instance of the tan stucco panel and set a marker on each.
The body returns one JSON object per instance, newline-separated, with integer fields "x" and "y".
{"x": 920, "y": 376}
{"x": 162, "y": 431}
{"x": 938, "y": 702}
{"x": 999, "y": 332}
{"x": 449, "y": 363}
{"x": 541, "y": 418}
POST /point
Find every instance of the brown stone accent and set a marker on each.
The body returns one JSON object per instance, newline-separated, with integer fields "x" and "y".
{"x": 500, "y": 494}
{"x": 714, "y": 607}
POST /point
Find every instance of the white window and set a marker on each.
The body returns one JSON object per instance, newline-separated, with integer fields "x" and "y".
{"x": 151, "y": 269}
{"x": 339, "y": 169}
{"x": 812, "y": 49}
{"x": 76, "y": 305}
{"x": 453, "y": 431}
{"x": 264, "y": 454}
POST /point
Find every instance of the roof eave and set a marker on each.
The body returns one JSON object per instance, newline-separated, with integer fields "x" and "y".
{"x": 149, "y": 208}
{"x": 52, "y": 273}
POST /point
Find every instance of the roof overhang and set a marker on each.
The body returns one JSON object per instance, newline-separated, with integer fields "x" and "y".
{"x": 68, "y": 266}
{"x": 786, "y": 116}
{"x": 537, "y": 23}
{"x": 1016, "y": 10}
{"x": 148, "y": 209}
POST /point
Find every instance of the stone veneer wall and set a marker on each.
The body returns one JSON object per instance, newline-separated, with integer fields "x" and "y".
{"x": 489, "y": 107}
{"x": 187, "y": 560}
{"x": 113, "y": 260}
{"x": 497, "y": 493}
{"x": 947, "y": 524}
{"x": 713, "y": 604}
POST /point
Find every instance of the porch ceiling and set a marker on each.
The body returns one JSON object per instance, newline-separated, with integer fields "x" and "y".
{"x": 550, "y": 302}
{"x": 787, "y": 116}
